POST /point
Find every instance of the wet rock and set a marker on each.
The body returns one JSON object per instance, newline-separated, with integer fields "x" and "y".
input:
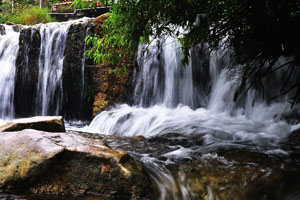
{"x": 2, "y": 30}
{"x": 17, "y": 27}
{"x": 239, "y": 174}
{"x": 27, "y": 69}
{"x": 77, "y": 98}
{"x": 65, "y": 163}
{"x": 98, "y": 22}
{"x": 43, "y": 123}
{"x": 139, "y": 138}
{"x": 108, "y": 88}
{"x": 293, "y": 138}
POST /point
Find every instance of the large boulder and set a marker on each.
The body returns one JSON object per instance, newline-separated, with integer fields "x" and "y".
{"x": 43, "y": 123}
{"x": 67, "y": 163}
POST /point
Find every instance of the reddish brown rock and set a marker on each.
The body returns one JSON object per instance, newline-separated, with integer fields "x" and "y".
{"x": 109, "y": 88}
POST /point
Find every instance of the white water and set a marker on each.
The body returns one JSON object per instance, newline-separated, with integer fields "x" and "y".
{"x": 166, "y": 93}
{"x": 53, "y": 39}
{"x": 167, "y": 100}
{"x": 161, "y": 81}
{"x": 48, "y": 100}
{"x": 8, "y": 51}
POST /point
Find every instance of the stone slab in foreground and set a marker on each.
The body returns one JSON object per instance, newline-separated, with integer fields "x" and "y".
{"x": 65, "y": 163}
{"x": 42, "y": 123}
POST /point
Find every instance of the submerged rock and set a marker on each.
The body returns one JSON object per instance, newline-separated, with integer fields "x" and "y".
{"x": 2, "y": 30}
{"x": 65, "y": 163}
{"x": 240, "y": 174}
{"x": 42, "y": 123}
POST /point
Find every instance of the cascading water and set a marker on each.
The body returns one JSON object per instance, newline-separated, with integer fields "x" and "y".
{"x": 166, "y": 94}
{"x": 188, "y": 116}
{"x": 160, "y": 81}
{"x": 35, "y": 79}
{"x": 49, "y": 90}
{"x": 8, "y": 50}
{"x": 193, "y": 116}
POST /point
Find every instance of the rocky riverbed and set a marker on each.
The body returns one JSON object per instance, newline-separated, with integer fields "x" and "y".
{"x": 52, "y": 165}
{"x": 40, "y": 162}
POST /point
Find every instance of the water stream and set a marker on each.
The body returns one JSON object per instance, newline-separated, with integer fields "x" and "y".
{"x": 49, "y": 90}
{"x": 9, "y": 45}
{"x": 39, "y": 69}
{"x": 189, "y": 115}
{"x": 194, "y": 131}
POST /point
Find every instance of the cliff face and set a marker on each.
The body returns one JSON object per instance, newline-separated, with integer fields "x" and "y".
{"x": 77, "y": 98}
{"x": 27, "y": 69}
{"x": 32, "y": 61}
{"x": 108, "y": 88}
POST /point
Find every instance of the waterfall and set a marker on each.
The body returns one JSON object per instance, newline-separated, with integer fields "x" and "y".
{"x": 191, "y": 113}
{"x": 49, "y": 90}
{"x": 170, "y": 98}
{"x": 8, "y": 51}
{"x": 162, "y": 77}
{"x": 35, "y": 78}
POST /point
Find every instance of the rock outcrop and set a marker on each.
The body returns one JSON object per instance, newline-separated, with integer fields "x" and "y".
{"x": 77, "y": 100}
{"x": 240, "y": 174}
{"x": 66, "y": 163}
{"x": 86, "y": 88}
{"x": 27, "y": 69}
{"x": 42, "y": 123}
{"x": 108, "y": 88}
{"x": 2, "y": 30}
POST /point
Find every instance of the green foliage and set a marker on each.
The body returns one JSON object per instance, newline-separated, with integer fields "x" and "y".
{"x": 104, "y": 103}
{"x": 250, "y": 25}
{"x": 31, "y": 16}
{"x": 25, "y": 12}
{"x": 79, "y": 4}
{"x": 49, "y": 3}
{"x": 258, "y": 32}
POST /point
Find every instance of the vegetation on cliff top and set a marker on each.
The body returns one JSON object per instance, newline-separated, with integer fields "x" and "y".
{"x": 26, "y": 12}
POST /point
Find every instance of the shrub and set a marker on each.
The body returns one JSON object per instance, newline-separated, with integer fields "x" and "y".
{"x": 30, "y": 16}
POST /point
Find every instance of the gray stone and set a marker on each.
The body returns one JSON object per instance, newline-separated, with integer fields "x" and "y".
{"x": 43, "y": 123}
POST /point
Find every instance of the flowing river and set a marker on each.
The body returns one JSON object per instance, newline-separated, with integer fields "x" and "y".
{"x": 185, "y": 125}
{"x": 195, "y": 130}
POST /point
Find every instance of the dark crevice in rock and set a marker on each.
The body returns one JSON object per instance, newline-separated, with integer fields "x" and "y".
{"x": 26, "y": 78}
